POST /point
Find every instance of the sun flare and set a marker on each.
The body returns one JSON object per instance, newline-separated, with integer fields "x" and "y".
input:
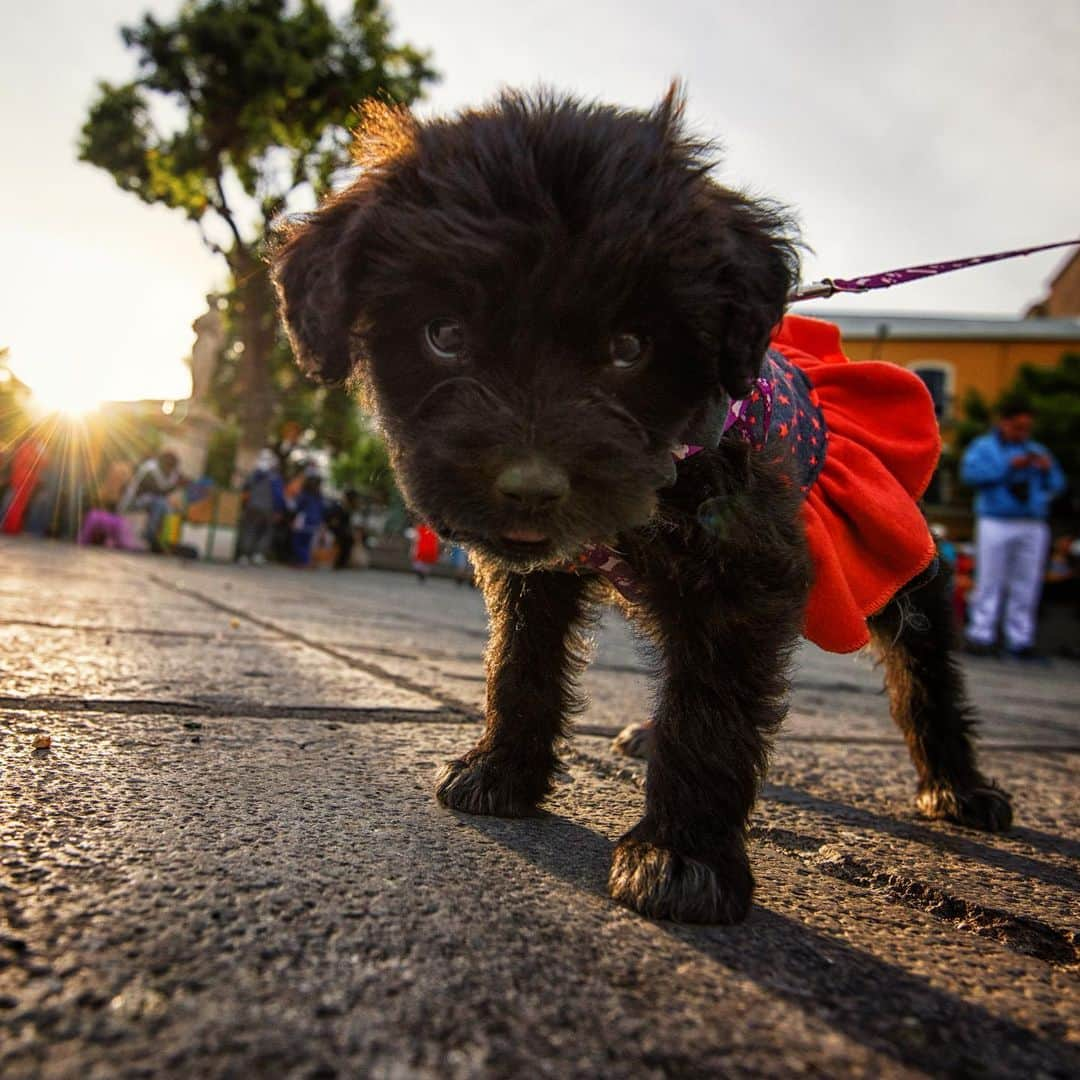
{"x": 70, "y": 398}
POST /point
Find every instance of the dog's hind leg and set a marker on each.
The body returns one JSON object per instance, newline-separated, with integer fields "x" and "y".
{"x": 913, "y": 635}
{"x": 635, "y": 740}
{"x": 535, "y": 652}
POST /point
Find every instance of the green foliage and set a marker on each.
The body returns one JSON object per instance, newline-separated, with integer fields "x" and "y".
{"x": 240, "y": 112}
{"x": 975, "y": 418}
{"x": 365, "y": 466}
{"x": 257, "y": 92}
{"x": 14, "y": 421}
{"x": 1054, "y": 395}
{"x": 221, "y": 455}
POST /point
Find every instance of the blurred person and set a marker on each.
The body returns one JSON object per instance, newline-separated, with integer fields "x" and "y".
{"x": 459, "y": 560}
{"x": 948, "y": 555}
{"x": 339, "y": 520}
{"x": 283, "y": 449}
{"x": 115, "y": 482}
{"x": 48, "y": 513}
{"x": 1061, "y": 569}
{"x": 1063, "y": 587}
{"x": 153, "y": 482}
{"x": 104, "y": 525}
{"x": 425, "y": 551}
{"x": 963, "y": 583}
{"x": 946, "y": 549}
{"x": 1015, "y": 479}
{"x": 28, "y": 461}
{"x": 264, "y": 504}
{"x": 309, "y": 513}
{"x": 294, "y": 481}
{"x": 106, "y": 528}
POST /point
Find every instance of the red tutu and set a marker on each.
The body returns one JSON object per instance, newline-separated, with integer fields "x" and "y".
{"x": 866, "y": 534}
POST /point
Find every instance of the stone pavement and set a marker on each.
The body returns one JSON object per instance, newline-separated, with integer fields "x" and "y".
{"x": 229, "y": 862}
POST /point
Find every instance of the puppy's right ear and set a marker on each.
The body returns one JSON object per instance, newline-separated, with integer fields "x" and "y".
{"x": 314, "y": 270}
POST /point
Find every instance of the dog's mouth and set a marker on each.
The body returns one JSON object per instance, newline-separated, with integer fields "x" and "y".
{"x": 528, "y": 543}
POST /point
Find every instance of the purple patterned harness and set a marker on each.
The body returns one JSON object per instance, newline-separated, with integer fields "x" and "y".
{"x": 781, "y": 407}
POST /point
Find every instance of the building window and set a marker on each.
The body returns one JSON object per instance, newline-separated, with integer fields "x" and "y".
{"x": 940, "y": 378}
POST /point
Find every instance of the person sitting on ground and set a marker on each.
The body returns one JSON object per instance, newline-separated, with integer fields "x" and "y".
{"x": 106, "y": 528}
{"x": 150, "y": 487}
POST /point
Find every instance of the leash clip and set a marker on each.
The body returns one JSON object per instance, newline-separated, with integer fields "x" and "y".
{"x": 816, "y": 290}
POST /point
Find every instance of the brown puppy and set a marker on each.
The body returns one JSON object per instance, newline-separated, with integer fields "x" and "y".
{"x": 545, "y": 303}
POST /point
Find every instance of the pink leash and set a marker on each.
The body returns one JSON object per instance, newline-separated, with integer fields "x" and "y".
{"x": 829, "y": 286}
{"x": 610, "y": 564}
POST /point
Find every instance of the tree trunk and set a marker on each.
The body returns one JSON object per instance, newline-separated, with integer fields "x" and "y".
{"x": 257, "y": 323}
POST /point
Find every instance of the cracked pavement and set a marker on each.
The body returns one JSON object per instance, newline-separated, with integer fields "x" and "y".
{"x": 229, "y": 863}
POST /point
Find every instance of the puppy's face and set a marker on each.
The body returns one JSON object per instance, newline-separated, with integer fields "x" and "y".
{"x": 540, "y": 300}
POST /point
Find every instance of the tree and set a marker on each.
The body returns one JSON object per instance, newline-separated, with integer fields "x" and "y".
{"x": 1054, "y": 395}
{"x": 975, "y": 417}
{"x": 240, "y": 113}
{"x": 14, "y": 420}
{"x": 328, "y": 411}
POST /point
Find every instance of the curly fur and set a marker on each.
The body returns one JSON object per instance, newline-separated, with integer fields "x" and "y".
{"x": 547, "y": 227}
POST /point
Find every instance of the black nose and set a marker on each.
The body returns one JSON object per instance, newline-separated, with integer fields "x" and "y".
{"x": 533, "y": 484}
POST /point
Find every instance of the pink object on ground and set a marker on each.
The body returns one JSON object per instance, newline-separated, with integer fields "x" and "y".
{"x": 107, "y": 530}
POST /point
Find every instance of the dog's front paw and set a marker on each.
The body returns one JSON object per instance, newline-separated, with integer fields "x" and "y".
{"x": 662, "y": 884}
{"x": 482, "y": 783}
{"x": 635, "y": 740}
{"x": 980, "y": 805}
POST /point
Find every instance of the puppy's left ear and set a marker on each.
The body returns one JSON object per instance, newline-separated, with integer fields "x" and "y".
{"x": 753, "y": 266}
{"x": 321, "y": 265}
{"x": 312, "y": 269}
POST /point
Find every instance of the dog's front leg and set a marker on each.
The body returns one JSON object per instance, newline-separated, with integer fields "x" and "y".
{"x": 722, "y": 696}
{"x": 534, "y": 654}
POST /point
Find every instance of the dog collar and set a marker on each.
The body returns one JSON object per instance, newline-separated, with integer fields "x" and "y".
{"x": 607, "y": 562}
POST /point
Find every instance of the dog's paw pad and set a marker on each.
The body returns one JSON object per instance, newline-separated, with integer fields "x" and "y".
{"x": 662, "y": 884}
{"x": 635, "y": 740}
{"x": 477, "y": 785}
{"x": 982, "y": 806}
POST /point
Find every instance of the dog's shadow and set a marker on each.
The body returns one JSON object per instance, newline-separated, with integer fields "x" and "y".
{"x": 555, "y": 844}
{"x": 881, "y": 1005}
{"x": 963, "y": 842}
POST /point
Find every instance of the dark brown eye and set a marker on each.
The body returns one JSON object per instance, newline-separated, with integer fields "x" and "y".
{"x": 445, "y": 338}
{"x": 626, "y": 351}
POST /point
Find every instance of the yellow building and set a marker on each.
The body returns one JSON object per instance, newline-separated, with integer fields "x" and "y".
{"x": 1062, "y": 298}
{"x": 953, "y": 355}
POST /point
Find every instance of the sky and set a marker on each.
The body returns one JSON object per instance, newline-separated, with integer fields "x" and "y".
{"x": 899, "y": 133}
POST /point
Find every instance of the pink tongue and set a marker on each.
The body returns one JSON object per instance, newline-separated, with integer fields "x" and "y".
{"x": 525, "y": 536}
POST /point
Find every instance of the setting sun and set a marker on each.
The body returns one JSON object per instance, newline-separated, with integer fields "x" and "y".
{"x": 122, "y": 334}
{"x": 71, "y": 398}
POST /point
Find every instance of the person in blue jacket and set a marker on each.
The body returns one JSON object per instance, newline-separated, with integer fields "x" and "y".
{"x": 1015, "y": 480}
{"x": 309, "y": 515}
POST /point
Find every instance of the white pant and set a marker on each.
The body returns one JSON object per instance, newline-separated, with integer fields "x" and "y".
{"x": 1010, "y": 559}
